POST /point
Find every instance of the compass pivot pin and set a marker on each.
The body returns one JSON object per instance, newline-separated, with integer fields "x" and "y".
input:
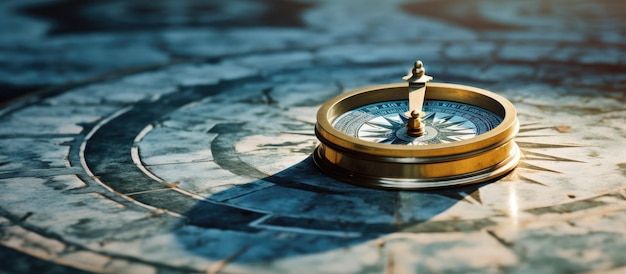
{"x": 414, "y": 126}
{"x": 417, "y": 79}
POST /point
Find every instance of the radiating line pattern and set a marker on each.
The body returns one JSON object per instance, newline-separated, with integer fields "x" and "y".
{"x": 439, "y": 128}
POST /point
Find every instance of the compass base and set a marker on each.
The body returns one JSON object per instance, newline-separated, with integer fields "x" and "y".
{"x": 401, "y": 182}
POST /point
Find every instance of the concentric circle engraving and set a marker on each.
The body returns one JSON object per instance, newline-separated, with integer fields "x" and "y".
{"x": 203, "y": 165}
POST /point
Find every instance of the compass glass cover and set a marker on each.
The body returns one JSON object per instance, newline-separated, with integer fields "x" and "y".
{"x": 444, "y": 122}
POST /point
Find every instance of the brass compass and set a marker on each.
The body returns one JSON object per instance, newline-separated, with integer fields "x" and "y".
{"x": 426, "y": 135}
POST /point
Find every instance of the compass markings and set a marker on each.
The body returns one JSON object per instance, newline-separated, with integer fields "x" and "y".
{"x": 384, "y": 129}
{"x": 445, "y": 119}
{"x": 523, "y": 130}
{"x": 518, "y": 174}
{"x": 446, "y": 139}
{"x": 380, "y": 126}
{"x": 545, "y": 145}
{"x": 530, "y": 155}
{"x": 395, "y": 123}
{"x": 447, "y": 130}
{"x": 526, "y": 165}
{"x": 473, "y": 197}
{"x": 451, "y": 125}
{"x": 429, "y": 118}
{"x": 227, "y": 157}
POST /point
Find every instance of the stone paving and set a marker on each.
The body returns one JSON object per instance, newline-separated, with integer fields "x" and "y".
{"x": 176, "y": 137}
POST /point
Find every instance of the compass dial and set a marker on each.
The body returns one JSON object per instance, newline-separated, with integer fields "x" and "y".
{"x": 445, "y": 122}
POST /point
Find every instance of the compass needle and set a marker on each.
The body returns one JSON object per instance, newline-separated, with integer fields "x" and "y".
{"x": 428, "y": 135}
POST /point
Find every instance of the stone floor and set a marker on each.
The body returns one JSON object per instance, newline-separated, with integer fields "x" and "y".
{"x": 175, "y": 137}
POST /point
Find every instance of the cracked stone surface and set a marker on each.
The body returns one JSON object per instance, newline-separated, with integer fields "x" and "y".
{"x": 176, "y": 137}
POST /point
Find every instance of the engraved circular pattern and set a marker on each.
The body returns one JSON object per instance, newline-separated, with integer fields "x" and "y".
{"x": 202, "y": 165}
{"x": 175, "y": 154}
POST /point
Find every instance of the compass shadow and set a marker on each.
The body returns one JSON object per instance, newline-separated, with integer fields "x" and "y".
{"x": 300, "y": 212}
{"x": 295, "y": 213}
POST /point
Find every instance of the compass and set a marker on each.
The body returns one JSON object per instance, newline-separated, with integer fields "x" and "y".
{"x": 420, "y": 136}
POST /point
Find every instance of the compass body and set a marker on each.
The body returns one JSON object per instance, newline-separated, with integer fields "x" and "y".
{"x": 467, "y": 137}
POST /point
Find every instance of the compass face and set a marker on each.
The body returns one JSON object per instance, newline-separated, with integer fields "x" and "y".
{"x": 444, "y": 122}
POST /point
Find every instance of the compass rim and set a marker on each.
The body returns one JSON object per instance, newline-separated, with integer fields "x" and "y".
{"x": 502, "y": 133}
